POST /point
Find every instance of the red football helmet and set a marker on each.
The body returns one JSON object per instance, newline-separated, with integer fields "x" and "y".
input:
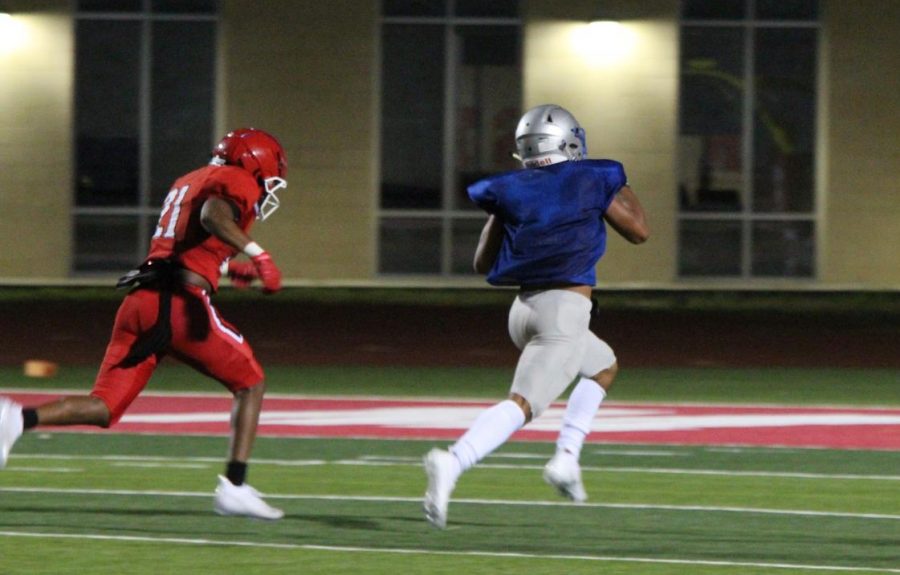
{"x": 259, "y": 153}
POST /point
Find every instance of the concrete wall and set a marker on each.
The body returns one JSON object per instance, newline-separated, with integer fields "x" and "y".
{"x": 36, "y": 59}
{"x": 306, "y": 72}
{"x": 627, "y": 104}
{"x": 860, "y": 232}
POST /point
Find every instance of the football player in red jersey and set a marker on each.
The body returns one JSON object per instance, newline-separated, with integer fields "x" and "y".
{"x": 204, "y": 223}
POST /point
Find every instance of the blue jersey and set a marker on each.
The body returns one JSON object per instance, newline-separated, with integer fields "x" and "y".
{"x": 553, "y": 220}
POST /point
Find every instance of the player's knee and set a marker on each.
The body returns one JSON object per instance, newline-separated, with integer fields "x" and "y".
{"x": 606, "y": 377}
{"x": 255, "y": 391}
{"x": 523, "y": 404}
{"x": 259, "y": 388}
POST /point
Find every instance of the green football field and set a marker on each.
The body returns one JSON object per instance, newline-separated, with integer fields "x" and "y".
{"x": 104, "y": 503}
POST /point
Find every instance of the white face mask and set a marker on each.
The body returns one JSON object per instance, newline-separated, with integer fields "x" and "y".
{"x": 271, "y": 202}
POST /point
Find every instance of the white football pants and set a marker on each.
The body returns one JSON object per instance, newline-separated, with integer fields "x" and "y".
{"x": 551, "y": 327}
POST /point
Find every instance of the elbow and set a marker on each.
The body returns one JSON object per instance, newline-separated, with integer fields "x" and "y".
{"x": 483, "y": 263}
{"x": 208, "y": 216}
{"x": 206, "y": 221}
{"x": 639, "y": 235}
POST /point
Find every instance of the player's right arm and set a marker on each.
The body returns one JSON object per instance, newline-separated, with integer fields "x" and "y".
{"x": 218, "y": 217}
{"x": 488, "y": 245}
{"x": 626, "y": 215}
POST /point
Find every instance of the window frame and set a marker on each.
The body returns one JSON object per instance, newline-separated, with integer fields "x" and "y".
{"x": 747, "y": 215}
{"x": 144, "y": 211}
{"x": 447, "y": 214}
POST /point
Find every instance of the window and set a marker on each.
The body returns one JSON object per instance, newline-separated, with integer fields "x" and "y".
{"x": 144, "y": 92}
{"x": 747, "y": 138}
{"x": 450, "y": 100}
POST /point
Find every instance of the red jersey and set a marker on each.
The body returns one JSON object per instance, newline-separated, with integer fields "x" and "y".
{"x": 180, "y": 236}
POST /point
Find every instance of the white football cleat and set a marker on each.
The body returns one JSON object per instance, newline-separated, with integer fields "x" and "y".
{"x": 10, "y": 427}
{"x": 243, "y": 500}
{"x": 564, "y": 473}
{"x": 442, "y": 470}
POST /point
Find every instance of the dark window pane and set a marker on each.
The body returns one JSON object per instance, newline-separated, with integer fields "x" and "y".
{"x": 709, "y": 248}
{"x": 183, "y": 100}
{"x": 783, "y": 249}
{"x": 489, "y": 45}
{"x": 464, "y": 241}
{"x": 412, "y": 116}
{"x": 713, "y": 9}
{"x": 106, "y": 243}
{"x": 110, "y": 5}
{"x": 107, "y": 110}
{"x": 710, "y": 114}
{"x": 414, "y": 7}
{"x": 491, "y": 9}
{"x": 784, "y": 120}
{"x": 186, "y": 6}
{"x": 410, "y": 246}
{"x": 787, "y": 9}
{"x": 488, "y": 105}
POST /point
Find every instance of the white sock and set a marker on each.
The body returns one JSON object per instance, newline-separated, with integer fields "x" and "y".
{"x": 488, "y": 432}
{"x": 580, "y": 410}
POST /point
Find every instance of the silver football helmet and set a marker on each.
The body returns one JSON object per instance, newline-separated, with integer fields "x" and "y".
{"x": 549, "y": 134}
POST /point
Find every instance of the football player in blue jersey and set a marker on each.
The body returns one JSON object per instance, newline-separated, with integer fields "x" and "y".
{"x": 545, "y": 234}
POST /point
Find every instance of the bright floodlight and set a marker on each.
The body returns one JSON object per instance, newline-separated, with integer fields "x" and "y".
{"x": 603, "y": 42}
{"x": 12, "y": 33}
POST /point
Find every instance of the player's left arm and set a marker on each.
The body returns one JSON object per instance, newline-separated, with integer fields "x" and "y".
{"x": 218, "y": 217}
{"x": 626, "y": 215}
{"x": 488, "y": 245}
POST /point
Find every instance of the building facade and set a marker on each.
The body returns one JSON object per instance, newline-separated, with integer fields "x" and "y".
{"x": 761, "y": 136}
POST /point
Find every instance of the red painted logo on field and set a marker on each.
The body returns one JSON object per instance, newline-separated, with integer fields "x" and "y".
{"x": 849, "y": 428}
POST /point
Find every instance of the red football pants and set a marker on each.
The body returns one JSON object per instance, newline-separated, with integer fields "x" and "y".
{"x": 200, "y": 338}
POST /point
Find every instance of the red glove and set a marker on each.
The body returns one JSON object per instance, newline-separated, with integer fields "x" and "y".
{"x": 242, "y": 274}
{"x": 267, "y": 272}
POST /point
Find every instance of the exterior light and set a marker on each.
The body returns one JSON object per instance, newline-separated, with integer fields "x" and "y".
{"x": 12, "y": 32}
{"x": 604, "y": 42}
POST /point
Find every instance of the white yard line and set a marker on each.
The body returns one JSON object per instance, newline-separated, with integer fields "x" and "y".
{"x": 385, "y": 462}
{"x": 162, "y": 464}
{"x": 412, "y": 461}
{"x": 498, "y": 502}
{"x": 22, "y": 469}
{"x": 137, "y": 459}
{"x": 474, "y": 553}
{"x": 389, "y": 460}
{"x": 454, "y": 399}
